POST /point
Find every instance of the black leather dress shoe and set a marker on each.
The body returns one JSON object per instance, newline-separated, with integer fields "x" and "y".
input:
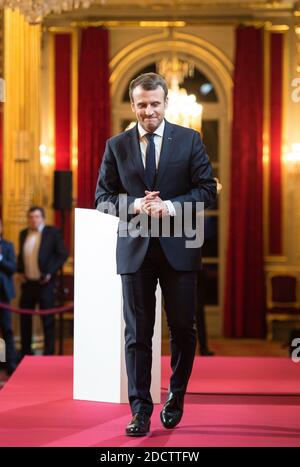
{"x": 172, "y": 410}
{"x": 139, "y": 425}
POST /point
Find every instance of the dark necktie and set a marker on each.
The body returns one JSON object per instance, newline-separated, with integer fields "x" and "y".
{"x": 150, "y": 165}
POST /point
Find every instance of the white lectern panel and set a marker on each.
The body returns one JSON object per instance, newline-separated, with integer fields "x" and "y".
{"x": 99, "y": 359}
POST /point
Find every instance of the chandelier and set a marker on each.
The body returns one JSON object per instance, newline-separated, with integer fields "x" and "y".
{"x": 183, "y": 108}
{"x": 35, "y": 10}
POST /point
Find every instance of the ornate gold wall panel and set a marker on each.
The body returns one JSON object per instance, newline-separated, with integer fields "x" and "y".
{"x": 1, "y": 76}
{"x": 22, "y": 182}
{"x": 1, "y": 43}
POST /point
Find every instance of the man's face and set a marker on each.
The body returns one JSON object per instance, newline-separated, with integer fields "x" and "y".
{"x": 149, "y": 107}
{"x": 35, "y": 219}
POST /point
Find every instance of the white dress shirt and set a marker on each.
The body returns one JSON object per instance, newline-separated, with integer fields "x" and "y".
{"x": 158, "y": 138}
{"x": 31, "y": 253}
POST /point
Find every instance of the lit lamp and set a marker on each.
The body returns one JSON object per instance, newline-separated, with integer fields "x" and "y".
{"x": 45, "y": 158}
{"x": 183, "y": 108}
{"x": 47, "y": 165}
{"x": 292, "y": 162}
{"x": 294, "y": 155}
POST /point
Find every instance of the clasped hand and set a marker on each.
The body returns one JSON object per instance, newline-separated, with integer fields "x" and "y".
{"x": 153, "y": 205}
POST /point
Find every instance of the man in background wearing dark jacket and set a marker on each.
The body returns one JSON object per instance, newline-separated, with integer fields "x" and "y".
{"x": 7, "y": 291}
{"x": 42, "y": 253}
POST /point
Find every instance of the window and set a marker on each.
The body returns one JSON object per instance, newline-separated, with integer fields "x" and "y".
{"x": 198, "y": 84}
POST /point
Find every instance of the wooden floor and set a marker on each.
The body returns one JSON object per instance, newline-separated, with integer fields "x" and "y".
{"x": 248, "y": 347}
{"x": 221, "y": 347}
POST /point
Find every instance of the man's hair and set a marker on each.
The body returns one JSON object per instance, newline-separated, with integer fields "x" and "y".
{"x": 36, "y": 208}
{"x": 149, "y": 82}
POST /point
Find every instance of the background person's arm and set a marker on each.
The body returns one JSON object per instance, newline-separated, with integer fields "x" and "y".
{"x": 8, "y": 262}
{"x": 59, "y": 255}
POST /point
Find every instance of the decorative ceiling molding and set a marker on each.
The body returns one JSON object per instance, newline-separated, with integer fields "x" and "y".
{"x": 189, "y": 11}
{"x": 151, "y": 13}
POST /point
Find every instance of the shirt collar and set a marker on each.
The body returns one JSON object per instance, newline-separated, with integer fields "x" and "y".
{"x": 40, "y": 228}
{"x": 159, "y": 131}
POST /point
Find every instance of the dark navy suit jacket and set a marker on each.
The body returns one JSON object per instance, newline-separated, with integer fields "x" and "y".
{"x": 8, "y": 266}
{"x": 52, "y": 251}
{"x": 184, "y": 175}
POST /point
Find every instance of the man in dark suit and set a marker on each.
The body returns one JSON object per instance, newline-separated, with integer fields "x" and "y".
{"x": 149, "y": 172}
{"x": 42, "y": 253}
{"x": 8, "y": 266}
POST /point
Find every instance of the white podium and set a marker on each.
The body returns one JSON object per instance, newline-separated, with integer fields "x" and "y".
{"x": 99, "y": 357}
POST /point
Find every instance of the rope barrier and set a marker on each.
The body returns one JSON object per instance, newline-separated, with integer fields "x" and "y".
{"x": 26, "y": 311}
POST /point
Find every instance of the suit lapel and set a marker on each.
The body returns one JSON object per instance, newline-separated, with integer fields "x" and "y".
{"x": 135, "y": 153}
{"x": 167, "y": 144}
{"x": 136, "y": 156}
{"x": 23, "y": 238}
{"x": 43, "y": 241}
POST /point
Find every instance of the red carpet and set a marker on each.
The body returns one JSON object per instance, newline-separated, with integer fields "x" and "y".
{"x": 36, "y": 407}
{"x": 241, "y": 375}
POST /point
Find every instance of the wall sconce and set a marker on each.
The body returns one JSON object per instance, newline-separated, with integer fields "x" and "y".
{"x": 292, "y": 161}
{"x": 46, "y": 158}
{"x": 294, "y": 155}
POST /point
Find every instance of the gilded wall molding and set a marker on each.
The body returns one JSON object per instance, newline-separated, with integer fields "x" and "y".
{"x": 21, "y": 172}
{"x": 110, "y": 13}
{"x": 209, "y": 58}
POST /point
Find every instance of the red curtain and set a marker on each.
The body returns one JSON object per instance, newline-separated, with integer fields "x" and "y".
{"x": 245, "y": 291}
{"x": 1, "y": 157}
{"x": 93, "y": 111}
{"x": 62, "y": 101}
{"x": 63, "y": 116}
{"x": 275, "y": 193}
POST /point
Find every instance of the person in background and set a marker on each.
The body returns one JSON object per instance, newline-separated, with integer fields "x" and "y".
{"x": 8, "y": 266}
{"x": 42, "y": 253}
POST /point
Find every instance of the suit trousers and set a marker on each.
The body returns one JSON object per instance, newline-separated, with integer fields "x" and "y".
{"x": 179, "y": 293}
{"x": 33, "y": 293}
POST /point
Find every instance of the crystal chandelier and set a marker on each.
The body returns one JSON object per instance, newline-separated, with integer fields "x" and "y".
{"x": 183, "y": 108}
{"x": 174, "y": 70}
{"x": 35, "y": 10}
